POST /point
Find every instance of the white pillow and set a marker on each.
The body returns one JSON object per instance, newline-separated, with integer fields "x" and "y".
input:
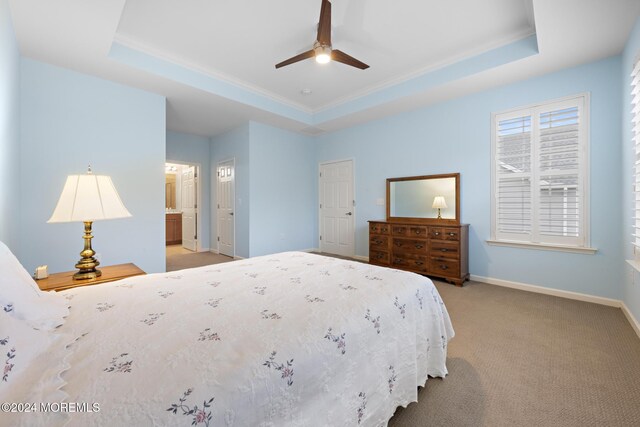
{"x": 21, "y": 298}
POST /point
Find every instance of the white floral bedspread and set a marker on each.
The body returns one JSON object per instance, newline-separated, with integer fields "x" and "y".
{"x": 291, "y": 339}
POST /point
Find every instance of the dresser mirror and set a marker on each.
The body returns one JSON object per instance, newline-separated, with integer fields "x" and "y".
{"x": 433, "y": 199}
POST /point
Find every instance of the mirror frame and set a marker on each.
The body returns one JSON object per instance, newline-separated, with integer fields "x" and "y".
{"x": 432, "y": 221}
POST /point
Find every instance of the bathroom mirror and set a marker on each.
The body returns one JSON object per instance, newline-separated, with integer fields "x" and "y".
{"x": 426, "y": 198}
{"x": 170, "y": 191}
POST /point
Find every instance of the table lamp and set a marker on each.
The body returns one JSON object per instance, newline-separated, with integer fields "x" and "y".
{"x": 439, "y": 203}
{"x": 87, "y": 198}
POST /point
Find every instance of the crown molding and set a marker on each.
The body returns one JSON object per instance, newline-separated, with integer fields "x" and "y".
{"x": 389, "y": 83}
{"x": 214, "y": 74}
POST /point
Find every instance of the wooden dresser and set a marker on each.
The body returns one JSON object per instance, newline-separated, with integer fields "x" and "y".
{"x": 435, "y": 250}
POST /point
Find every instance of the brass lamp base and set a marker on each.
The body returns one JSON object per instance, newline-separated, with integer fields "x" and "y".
{"x": 91, "y": 273}
{"x": 439, "y": 216}
{"x": 88, "y": 263}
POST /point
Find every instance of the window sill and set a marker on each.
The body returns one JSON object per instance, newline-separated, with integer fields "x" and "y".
{"x": 635, "y": 264}
{"x": 544, "y": 247}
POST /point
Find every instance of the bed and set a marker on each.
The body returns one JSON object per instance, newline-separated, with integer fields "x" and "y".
{"x": 291, "y": 339}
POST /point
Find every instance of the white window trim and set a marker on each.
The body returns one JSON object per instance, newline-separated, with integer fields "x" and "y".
{"x": 585, "y": 247}
{"x": 543, "y": 246}
{"x": 635, "y": 111}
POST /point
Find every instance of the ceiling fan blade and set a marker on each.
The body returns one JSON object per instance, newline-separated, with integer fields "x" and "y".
{"x": 340, "y": 56}
{"x": 306, "y": 55}
{"x": 324, "y": 25}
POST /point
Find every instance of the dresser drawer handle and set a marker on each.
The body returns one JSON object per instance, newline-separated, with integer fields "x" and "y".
{"x": 452, "y": 234}
{"x": 374, "y": 228}
{"x": 444, "y": 267}
{"x": 436, "y": 233}
{"x": 398, "y": 260}
{"x": 417, "y": 231}
{"x": 384, "y": 230}
{"x": 380, "y": 256}
{"x": 377, "y": 242}
{"x": 419, "y": 262}
{"x": 444, "y": 250}
{"x": 419, "y": 246}
{"x": 398, "y": 244}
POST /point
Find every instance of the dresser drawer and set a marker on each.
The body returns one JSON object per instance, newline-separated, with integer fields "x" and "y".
{"x": 444, "y": 267}
{"x": 410, "y": 261}
{"x": 378, "y": 228}
{"x": 436, "y": 233}
{"x": 378, "y": 241}
{"x": 401, "y": 245}
{"x": 441, "y": 248}
{"x": 451, "y": 233}
{"x": 444, "y": 233}
{"x": 378, "y": 257}
{"x": 409, "y": 230}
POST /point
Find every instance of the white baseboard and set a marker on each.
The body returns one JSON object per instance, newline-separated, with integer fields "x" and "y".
{"x": 214, "y": 251}
{"x": 564, "y": 294}
{"x": 634, "y": 322}
{"x": 548, "y": 291}
{"x": 308, "y": 250}
{"x": 238, "y": 257}
{"x": 204, "y": 250}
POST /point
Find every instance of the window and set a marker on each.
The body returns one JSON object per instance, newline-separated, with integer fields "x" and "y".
{"x": 635, "y": 129}
{"x": 540, "y": 174}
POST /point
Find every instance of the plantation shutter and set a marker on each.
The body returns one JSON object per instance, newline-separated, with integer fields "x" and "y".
{"x": 559, "y": 174}
{"x": 635, "y": 113}
{"x": 513, "y": 175}
{"x": 540, "y": 173}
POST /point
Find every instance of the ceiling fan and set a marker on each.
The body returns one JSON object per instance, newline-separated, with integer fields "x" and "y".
{"x": 322, "y": 49}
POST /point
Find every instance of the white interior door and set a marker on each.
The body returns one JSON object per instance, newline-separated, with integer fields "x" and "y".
{"x": 226, "y": 215}
{"x": 189, "y": 208}
{"x": 337, "y": 208}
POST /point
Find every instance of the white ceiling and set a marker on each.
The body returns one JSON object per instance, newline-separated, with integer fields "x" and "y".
{"x": 244, "y": 39}
{"x": 240, "y": 41}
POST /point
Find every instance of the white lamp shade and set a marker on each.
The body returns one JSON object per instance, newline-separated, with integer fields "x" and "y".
{"x": 88, "y": 198}
{"x": 439, "y": 203}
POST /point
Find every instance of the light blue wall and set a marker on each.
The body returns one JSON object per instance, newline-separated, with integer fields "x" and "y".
{"x": 9, "y": 129}
{"x": 631, "y": 283}
{"x": 284, "y": 196}
{"x": 69, "y": 120}
{"x": 194, "y": 149}
{"x": 455, "y": 137}
{"x": 233, "y": 145}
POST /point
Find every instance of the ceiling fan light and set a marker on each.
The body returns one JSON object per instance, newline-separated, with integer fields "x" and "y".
{"x": 323, "y": 58}
{"x": 323, "y": 54}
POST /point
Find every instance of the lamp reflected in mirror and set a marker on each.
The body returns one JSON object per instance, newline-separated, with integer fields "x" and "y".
{"x": 439, "y": 203}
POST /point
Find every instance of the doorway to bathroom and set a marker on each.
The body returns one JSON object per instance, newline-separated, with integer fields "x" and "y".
{"x": 182, "y": 194}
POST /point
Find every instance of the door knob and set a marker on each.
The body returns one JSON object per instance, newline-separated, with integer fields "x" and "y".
{"x": 348, "y": 213}
{"x": 231, "y": 213}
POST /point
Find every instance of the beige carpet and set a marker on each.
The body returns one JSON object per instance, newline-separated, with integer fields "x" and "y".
{"x": 525, "y": 359}
{"x": 179, "y": 258}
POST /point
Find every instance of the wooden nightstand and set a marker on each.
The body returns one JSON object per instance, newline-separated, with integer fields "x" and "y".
{"x": 60, "y": 281}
